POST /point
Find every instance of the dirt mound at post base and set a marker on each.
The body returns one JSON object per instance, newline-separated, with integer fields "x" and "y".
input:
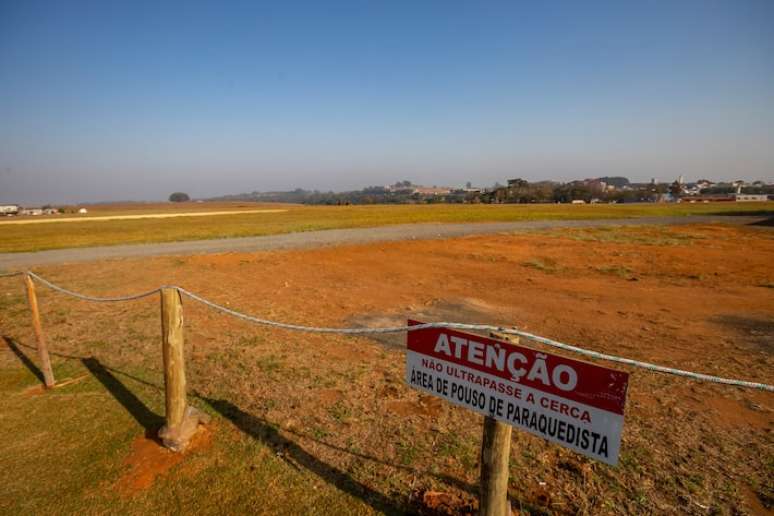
{"x": 436, "y": 503}
{"x": 148, "y": 460}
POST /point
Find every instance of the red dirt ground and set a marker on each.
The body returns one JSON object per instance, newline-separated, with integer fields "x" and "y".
{"x": 698, "y": 298}
{"x": 149, "y": 460}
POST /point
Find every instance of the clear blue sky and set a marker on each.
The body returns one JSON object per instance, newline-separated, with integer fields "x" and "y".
{"x": 131, "y": 100}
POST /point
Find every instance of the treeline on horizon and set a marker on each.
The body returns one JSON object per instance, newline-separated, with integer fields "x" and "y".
{"x": 517, "y": 191}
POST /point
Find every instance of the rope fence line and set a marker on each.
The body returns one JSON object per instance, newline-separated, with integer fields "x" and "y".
{"x": 399, "y": 329}
{"x": 84, "y": 297}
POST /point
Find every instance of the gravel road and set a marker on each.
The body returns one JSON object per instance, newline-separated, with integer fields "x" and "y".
{"x": 13, "y": 261}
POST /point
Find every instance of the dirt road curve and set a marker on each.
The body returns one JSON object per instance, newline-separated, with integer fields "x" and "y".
{"x": 13, "y": 261}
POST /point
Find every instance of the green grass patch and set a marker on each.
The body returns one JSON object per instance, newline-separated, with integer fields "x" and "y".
{"x": 269, "y": 364}
{"x": 655, "y": 236}
{"x": 340, "y": 412}
{"x": 408, "y": 453}
{"x": 616, "y": 270}
{"x": 547, "y": 265}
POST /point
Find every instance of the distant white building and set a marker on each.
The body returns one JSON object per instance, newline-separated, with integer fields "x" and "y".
{"x": 425, "y": 190}
{"x": 751, "y": 197}
{"x": 83, "y": 211}
{"x": 692, "y": 189}
{"x": 9, "y": 209}
{"x": 32, "y": 211}
{"x": 704, "y": 183}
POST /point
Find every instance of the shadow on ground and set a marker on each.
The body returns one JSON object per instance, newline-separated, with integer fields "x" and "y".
{"x": 767, "y": 222}
{"x": 253, "y": 426}
{"x": 759, "y": 332}
{"x": 80, "y": 358}
{"x": 765, "y": 217}
{"x": 250, "y": 425}
{"x": 470, "y": 489}
{"x": 296, "y": 456}
{"x": 24, "y": 359}
{"x": 139, "y": 411}
{"x": 742, "y": 213}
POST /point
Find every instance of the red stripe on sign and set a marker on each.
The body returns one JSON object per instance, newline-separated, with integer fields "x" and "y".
{"x": 578, "y": 381}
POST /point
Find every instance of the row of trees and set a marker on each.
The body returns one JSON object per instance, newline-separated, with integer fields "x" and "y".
{"x": 179, "y": 197}
{"x": 523, "y": 192}
{"x": 720, "y": 189}
{"x": 517, "y": 191}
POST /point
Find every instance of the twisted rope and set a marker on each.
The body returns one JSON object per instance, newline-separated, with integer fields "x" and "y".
{"x": 482, "y": 327}
{"x": 398, "y": 329}
{"x": 84, "y": 297}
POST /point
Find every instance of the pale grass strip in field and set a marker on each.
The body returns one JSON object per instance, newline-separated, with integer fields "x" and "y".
{"x": 134, "y": 217}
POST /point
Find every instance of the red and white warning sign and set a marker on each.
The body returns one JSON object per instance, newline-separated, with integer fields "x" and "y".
{"x": 572, "y": 403}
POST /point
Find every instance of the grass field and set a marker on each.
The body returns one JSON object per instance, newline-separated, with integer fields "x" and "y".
{"x": 20, "y": 238}
{"x": 318, "y": 424}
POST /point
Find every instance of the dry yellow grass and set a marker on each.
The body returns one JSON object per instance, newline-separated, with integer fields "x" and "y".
{"x": 133, "y": 216}
{"x": 309, "y": 218}
{"x": 325, "y": 424}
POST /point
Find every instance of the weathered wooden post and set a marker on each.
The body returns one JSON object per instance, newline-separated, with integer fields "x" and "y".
{"x": 181, "y": 419}
{"x": 495, "y": 452}
{"x": 45, "y": 361}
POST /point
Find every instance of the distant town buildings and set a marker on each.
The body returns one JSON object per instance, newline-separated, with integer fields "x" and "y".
{"x": 12, "y": 210}
{"x": 621, "y": 190}
{"x": 39, "y": 211}
{"x": 606, "y": 189}
{"x": 424, "y": 190}
{"x": 751, "y": 197}
{"x": 704, "y": 183}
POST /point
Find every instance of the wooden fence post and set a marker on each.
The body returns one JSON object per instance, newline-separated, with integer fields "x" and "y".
{"x": 495, "y": 454}
{"x": 45, "y": 360}
{"x": 181, "y": 419}
{"x": 495, "y": 451}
